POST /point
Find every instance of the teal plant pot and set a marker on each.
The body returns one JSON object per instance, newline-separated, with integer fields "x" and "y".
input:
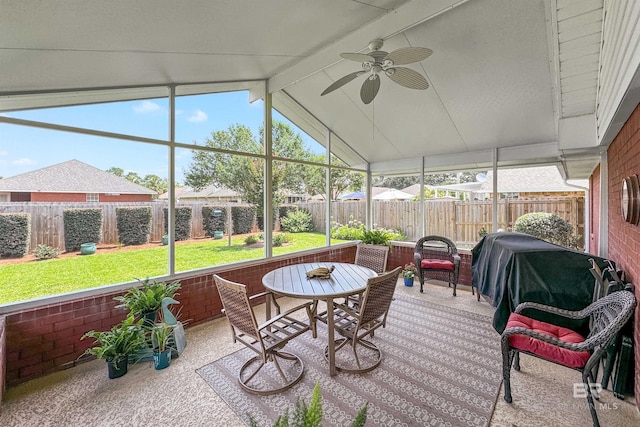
{"x": 218, "y": 234}
{"x": 117, "y": 369}
{"x": 165, "y": 240}
{"x": 87, "y": 248}
{"x": 408, "y": 281}
{"x": 162, "y": 359}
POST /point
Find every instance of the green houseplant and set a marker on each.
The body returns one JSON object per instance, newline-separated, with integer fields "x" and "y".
{"x": 145, "y": 301}
{"x": 117, "y": 344}
{"x": 409, "y": 271}
{"x": 160, "y": 338}
{"x": 310, "y": 416}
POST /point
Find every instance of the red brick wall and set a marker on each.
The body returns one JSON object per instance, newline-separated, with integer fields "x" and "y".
{"x": 594, "y": 211}
{"x": 82, "y": 197}
{"x": 624, "y": 238}
{"x": 46, "y": 339}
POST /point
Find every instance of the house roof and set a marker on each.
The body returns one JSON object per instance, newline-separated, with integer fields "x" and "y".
{"x": 520, "y": 78}
{"x": 72, "y": 176}
{"x": 540, "y": 179}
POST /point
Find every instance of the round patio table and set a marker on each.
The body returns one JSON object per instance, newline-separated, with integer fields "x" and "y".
{"x": 346, "y": 279}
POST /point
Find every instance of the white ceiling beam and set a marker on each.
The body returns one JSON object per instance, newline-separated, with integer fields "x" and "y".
{"x": 396, "y": 21}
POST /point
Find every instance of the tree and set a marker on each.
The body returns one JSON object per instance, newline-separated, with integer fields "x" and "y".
{"x": 245, "y": 174}
{"x": 152, "y": 182}
{"x": 341, "y": 180}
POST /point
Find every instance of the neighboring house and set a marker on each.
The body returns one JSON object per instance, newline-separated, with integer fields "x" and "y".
{"x": 521, "y": 183}
{"x": 71, "y": 181}
{"x": 210, "y": 193}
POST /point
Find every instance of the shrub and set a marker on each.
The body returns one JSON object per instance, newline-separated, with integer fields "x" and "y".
{"x": 211, "y": 223}
{"x": 251, "y": 239}
{"x": 183, "y": 222}
{"x": 297, "y": 221}
{"x": 45, "y": 252}
{"x": 280, "y": 239}
{"x": 81, "y": 226}
{"x": 134, "y": 225}
{"x": 243, "y": 218}
{"x": 350, "y": 231}
{"x": 549, "y": 227}
{"x": 15, "y": 234}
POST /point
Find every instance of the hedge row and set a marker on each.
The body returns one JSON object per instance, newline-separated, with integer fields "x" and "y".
{"x": 15, "y": 234}
{"x": 134, "y": 225}
{"x": 183, "y": 222}
{"x": 211, "y": 222}
{"x": 81, "y": 226}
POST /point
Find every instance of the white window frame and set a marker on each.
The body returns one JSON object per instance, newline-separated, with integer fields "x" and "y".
{"x": 93, "y": 197}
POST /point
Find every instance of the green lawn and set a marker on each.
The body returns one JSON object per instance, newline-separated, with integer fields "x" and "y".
{"x": 24, "y": 281}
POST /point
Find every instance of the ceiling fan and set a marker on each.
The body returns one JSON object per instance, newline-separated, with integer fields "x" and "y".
{"x": 378, "y": 61}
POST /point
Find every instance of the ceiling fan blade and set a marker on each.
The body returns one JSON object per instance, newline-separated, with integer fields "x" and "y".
{"x": 341, "y": 82}
{"x": 409, "y": 55}
{"x": 358, "y": 57}
{"x": 370, "y": 88}
{"x": 407, "y": 78}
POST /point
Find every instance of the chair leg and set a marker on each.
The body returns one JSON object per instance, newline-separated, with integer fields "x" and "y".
{"x": 454, "y": 289}
{"x": 507, "y": 359}
{"x": 421, "y": 275}
{"x": 516, "y": 360}
{"x": 592, "y": 406}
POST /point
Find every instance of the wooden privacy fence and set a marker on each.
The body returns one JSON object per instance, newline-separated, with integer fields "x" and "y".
{"x": 47, "y": 226}
{"x": 459, "y": 220}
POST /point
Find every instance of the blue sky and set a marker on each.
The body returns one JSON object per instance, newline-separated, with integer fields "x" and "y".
{"x": 23, "y": 149}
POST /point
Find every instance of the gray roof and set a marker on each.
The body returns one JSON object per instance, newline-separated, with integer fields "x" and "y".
{"x": 72, "y": 176}
{"x": 210, "y": 191}
{"x": 529, "y": 180}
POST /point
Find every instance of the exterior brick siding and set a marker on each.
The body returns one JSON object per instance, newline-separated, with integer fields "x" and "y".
{"x": 82, "y": 197}
{"x": 624, "y": 238}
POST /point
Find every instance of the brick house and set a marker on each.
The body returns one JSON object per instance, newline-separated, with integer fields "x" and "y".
{"x": 71, "y": 181}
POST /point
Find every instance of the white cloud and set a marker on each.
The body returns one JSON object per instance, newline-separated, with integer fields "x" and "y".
{"x": 147, "y": 107}
{"x": 4, "y": 153}
{"x": 198, "y": 116}
{"x": 23, "y": 162}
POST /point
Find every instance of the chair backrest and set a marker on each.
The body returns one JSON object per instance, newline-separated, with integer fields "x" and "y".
{"x": 435, "y": 247}
{"x": 373, "y": 257}
{"x": 237, "y": 307}
{"x": 608, "y": 315}
{"x": 378, "y": 295}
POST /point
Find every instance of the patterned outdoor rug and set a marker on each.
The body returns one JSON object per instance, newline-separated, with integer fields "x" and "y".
{"x": 440, "y": 366}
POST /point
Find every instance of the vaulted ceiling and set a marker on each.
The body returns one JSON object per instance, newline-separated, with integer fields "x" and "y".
{"x": 519, "y": 76}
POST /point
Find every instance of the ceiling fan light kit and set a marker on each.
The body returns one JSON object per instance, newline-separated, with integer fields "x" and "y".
{"x": 378, "y": 62}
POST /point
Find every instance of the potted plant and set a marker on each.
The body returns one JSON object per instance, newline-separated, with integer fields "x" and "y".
{"x": 409, "y": 271}
{"x": 145, "y": 301}
{"x": 160, "y": 335}
{"x": 117, "y": 344}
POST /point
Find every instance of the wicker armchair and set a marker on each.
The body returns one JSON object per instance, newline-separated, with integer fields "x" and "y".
{"x": 266, "y": 339}
{"x": 355, "y": 324}
{"x": 563, "y": 346}
{"x": 436, "y": 257}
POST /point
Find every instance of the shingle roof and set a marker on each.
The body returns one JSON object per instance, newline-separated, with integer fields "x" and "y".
{"x": 531, "y": 180}
{"x": 72, "y": 176}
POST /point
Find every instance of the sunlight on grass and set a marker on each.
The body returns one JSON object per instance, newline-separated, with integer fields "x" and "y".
{"x": 23, "y": 281}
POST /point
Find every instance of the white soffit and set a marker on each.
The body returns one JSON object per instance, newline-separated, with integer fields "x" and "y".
{"x": 579, "y": 24}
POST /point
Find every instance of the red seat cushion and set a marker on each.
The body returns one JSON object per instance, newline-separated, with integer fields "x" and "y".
{"x": 439, "y": 264}
{"x": 545, "y": 350}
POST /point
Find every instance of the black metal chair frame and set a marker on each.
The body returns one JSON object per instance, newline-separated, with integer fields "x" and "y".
{"x": 608, "y": 314}
{"x": 266, "y": 339}
{"x": 446, "y": 250}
